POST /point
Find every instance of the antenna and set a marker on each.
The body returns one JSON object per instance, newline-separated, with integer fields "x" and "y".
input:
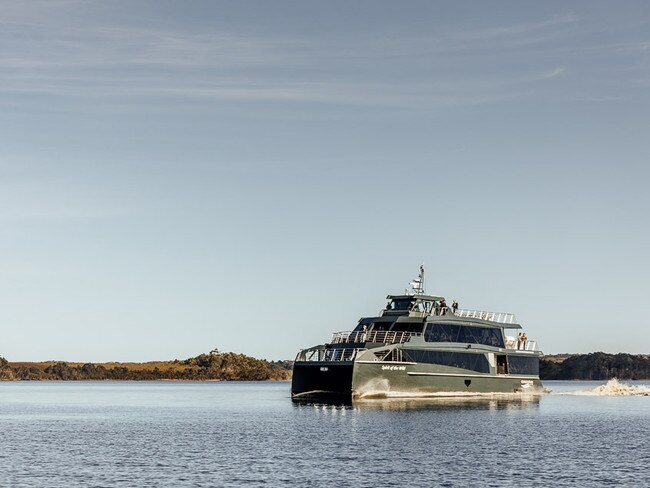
{"x": 418, "y": 283}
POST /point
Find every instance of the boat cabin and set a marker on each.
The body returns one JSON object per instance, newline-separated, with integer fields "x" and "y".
{"x": 420, "y": 304}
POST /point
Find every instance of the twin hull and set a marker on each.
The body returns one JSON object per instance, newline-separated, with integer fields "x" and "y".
{"x": 367, "y": 379}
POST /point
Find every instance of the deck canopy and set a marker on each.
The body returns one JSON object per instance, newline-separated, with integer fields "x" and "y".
{"x": 415, "y": 297}
{"x": 412, "y": 303}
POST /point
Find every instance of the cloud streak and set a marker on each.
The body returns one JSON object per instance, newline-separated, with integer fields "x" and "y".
{"x": 449, "y": 67}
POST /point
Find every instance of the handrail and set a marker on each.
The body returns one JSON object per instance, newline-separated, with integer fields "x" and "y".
{"x": 339, "y": 354}
{"x": 514, "y": 345}
{"x": 383, "y": 336}
{"x": 500, "y": 317}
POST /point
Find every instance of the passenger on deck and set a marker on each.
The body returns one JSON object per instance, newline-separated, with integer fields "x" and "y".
{"x": 454, "y": 306}
{"x": 519, "y": 340}
{"x": 524, "y": 339}
{"x": 443, "y": 307}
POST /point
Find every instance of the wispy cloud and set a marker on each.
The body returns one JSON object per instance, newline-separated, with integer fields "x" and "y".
{"x": 475, "y": 64}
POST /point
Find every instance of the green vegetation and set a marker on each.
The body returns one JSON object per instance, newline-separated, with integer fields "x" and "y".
{"x": 595, "y": 366}
{"x": 215, "y": 366}
{"x": 6, "y": 373}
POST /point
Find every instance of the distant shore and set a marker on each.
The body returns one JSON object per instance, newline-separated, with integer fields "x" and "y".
{"x": 595, "y": 366}
{"x": 229, "y": 366}
{"x": 217, "y": 366}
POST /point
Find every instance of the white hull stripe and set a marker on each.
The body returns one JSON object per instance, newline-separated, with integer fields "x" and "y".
{"x": 506, "y": 376}
{"x": 384, "y": 362}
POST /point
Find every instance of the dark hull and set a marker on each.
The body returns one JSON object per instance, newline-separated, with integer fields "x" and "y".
{"x": 315, "y": 380}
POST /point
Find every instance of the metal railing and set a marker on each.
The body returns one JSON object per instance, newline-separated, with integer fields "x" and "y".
{"x": 347, "y": 354}
{"x": 511, "y": 343}
{"x": 500, "y": 317}
{"x": 383, "y": 336}
{"x": 527, "y": 346}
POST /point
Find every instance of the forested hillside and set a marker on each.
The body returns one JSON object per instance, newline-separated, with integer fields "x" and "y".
{"x": 227, "y": 366}
{"x": 595, "y": 366}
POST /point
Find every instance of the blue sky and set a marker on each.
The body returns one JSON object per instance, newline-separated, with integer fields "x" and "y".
{"x": 252, "y": 176}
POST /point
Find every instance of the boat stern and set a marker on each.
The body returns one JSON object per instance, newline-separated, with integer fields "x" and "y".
{"x": 322, "y": 373}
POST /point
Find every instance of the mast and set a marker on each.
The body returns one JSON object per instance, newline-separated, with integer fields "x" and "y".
{"x": 418, "y": 283}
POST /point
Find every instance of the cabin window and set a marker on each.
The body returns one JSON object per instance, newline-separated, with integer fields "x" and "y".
{"x": 464, "y": 360}
{"x": 502, "y": 364}
{"x": 464, "y": 334}
{"x": 407, "y": 327}
{"x": 401, "y": 304}
{"x": 523, "y": 365}
{"x": 381, "y": 326}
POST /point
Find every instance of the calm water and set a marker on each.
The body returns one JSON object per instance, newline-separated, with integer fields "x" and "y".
{"x": 106, "y": 434}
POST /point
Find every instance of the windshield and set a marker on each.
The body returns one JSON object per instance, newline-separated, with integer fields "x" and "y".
{"x": 400, "y": 305}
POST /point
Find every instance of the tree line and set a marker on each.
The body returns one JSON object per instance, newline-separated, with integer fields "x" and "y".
{"x": 226, "y": 366}
{"x": 595, "y": 366}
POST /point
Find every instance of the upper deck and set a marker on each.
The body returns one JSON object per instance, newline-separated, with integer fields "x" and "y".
{"x": 434, "y": 306}
{"x": 417, "y": 314}
{"x": 425, "y": 322}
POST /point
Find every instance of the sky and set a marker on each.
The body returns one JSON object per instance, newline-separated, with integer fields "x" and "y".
{"x": 252, "y": 176}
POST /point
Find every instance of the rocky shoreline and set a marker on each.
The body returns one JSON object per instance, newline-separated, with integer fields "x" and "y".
{"x": 595, "y": 366}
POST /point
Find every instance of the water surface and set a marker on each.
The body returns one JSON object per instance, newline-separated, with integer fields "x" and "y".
{"x": 186, "y": 434}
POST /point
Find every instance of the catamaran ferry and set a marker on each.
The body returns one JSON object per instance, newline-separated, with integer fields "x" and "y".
{"x": 419, "y": 346}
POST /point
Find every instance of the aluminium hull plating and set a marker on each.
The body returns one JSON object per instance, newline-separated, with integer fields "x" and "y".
{"x": 367, "y": 379}
{"x": 378, "y": 379}
{"x": 328, "y": 380}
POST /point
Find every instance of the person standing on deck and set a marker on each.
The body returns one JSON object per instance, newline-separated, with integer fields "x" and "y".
{"x": 454, "y": 306}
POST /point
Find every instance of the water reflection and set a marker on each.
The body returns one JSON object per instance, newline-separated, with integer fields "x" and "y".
{"x": 430, "y": 403}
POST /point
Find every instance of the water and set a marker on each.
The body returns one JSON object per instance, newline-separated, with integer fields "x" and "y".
{"x": 133, "y": 434}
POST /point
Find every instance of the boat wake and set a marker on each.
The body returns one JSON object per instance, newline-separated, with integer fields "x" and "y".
{"x": 378, "y": 388}
{"x": 445, "y": 394}
{"x": 612, "y": 388}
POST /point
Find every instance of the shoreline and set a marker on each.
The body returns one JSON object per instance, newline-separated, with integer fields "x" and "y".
{"x": 215, "y": 366}
{"x": 229, "y": 366}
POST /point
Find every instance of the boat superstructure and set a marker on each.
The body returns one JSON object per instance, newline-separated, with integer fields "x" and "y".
{"x": 416, "y": 346}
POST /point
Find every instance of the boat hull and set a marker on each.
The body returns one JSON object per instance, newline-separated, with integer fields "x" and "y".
{"x": 322, "y": 380}
{"x": 376, "y": 379}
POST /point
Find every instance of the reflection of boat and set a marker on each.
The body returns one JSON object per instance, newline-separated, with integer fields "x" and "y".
{"x": 487, "y": 402}
{"x": 418, "y": 346}
{"x": 514, "y": 402}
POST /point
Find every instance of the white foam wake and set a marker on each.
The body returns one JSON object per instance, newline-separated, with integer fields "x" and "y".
{"x": 613, "y": 388}
{"x": 406, "y": 395}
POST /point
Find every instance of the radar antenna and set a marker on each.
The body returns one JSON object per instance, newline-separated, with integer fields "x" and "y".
{"x": 418, "y": 283}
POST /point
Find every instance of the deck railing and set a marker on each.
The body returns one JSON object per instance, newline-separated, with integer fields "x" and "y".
{"x": 383, "y": 336}
{"x": 526, "y": 346}
{"x": 341, "y": 354}
{"x": 500, "y": 317}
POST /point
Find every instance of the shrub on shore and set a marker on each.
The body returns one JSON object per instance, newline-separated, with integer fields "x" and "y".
{"x": 227, "y": 366}
{"x": 595, "y": 366}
